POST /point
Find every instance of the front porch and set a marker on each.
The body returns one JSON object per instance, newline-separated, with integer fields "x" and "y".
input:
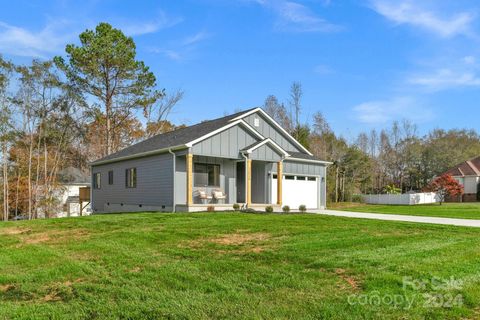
{"x": 204, "y": 181}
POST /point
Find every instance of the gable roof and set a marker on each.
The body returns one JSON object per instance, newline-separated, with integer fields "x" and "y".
{"x": 277, "y": 125}
{"x": 260, "y": 143}
{"x": 172, "y": 139}
{"x": 185, "y": 137}
{"x": 466, "y": 168}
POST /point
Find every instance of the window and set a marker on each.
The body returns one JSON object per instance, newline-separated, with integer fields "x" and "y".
{"x": 206, "y": 175}
{"x": 110, "y": 177}
{"x": 131, "y": 178}
{"x": 96, "y": 180}
{"x": 312, "y": 178}
{"x": 289, "y": 177}
{"x": 301, "y": 178}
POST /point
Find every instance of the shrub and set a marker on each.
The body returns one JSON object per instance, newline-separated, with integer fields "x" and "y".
{"x": 357, "y": 198}
{"x": 236, "y": 206}
{"x": 286, "y": 209}
{"x": 210, "y": 208}
{"x": 269, "y": 209}
{"x": 302, "y": 208}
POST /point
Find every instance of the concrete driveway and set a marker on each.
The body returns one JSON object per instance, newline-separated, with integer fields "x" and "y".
{"x": 397, "y": 217}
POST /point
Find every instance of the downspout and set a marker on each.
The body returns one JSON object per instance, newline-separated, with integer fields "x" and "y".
{"x": 174, "y": 178}
{"x": 246, "y": 173}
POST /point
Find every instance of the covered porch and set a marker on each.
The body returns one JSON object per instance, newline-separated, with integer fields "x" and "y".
{"x": 207, "y": 181}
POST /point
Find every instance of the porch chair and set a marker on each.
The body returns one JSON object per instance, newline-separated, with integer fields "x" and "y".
{"x": 219, "y": 195}
{"x": 203, "y": 196}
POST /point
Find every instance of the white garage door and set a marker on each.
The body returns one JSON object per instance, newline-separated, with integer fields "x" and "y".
{"x": 297, "y": 190}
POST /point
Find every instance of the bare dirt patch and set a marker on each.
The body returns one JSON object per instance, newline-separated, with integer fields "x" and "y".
{"x": 350, "y": 280}
{"x": 236, "y": 239}
{"x": 53, "y": 237}
{"x": 237, "y": 242}
{"x": 15, "y": 231}
{"x": 6, "y": 287}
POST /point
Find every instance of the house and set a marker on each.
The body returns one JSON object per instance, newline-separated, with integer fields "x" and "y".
{"x": 71, "y": 180}
{"x": 467, "y": 174}
{"x": 245, "y": 158}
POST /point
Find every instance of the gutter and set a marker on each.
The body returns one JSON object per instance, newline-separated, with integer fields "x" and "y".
{"x": 137, "y": 155}
{"x": 174, "y": 178}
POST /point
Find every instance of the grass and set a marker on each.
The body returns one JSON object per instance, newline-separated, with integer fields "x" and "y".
{"x": 446, "y": 210}
{"x": 232, "y": 265}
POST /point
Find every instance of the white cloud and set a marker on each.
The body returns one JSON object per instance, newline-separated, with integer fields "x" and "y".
{"x": 293, "y": 16}
{"x": 40, "y": 44}
{"x": 409, "y": 12}
{"x": 384, "y": 111}
{"x": 446, "y": 78}
{"x": 469, "y": 59}
{"x": 197, "y": 37}
{"x": 141, "y": 28}
{"x": 322, "y": 69}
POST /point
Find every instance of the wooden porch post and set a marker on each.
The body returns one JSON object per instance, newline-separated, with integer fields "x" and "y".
{"x": 249, "y": 182}
{"x": 189, "y": 179}
{"x": 279, "y": 182}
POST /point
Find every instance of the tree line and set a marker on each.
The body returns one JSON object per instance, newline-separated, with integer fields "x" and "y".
{"x": 71, "y": 110}
{"x": 98, "y": 99}
{"x": 378, "y": 161}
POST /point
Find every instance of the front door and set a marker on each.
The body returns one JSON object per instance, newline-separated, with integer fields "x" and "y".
{"x": 240, "y": 182}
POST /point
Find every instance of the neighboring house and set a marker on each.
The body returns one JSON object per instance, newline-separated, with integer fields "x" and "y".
{"x": 468, "y": 175}
{"x": 234, "y": 159}
{"x": 71, "y": 180}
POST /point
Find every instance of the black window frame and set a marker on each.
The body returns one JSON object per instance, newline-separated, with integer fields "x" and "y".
{"x": 196, "y": 171}
{"x": 110, "y": 177}
{"x": 97, "y": 184}
{"x": 131, "y": 178}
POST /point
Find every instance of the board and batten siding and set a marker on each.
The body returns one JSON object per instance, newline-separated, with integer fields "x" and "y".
{"x": 265, "y": 153}
{"x": 225, "y": 144}
{"x": 269, "y": 131}
{"x": 154, "y": 184}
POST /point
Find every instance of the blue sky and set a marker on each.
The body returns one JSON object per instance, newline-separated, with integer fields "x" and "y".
{"x": 362, "y": 64}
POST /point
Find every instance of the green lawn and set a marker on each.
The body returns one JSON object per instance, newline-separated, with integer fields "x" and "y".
{"x": 446, "y": 210}
{"x": 226, "y": 265}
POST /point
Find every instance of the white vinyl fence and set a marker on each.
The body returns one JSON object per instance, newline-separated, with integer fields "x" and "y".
{"x": 405, "y": 199}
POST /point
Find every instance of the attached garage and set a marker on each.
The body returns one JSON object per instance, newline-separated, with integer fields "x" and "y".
{"x": 298, "y": 190}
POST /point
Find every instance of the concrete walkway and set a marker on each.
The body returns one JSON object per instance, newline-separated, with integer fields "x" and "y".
{"x": 397, "y": 217}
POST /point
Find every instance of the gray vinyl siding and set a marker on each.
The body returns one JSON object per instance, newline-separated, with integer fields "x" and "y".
{"x": 154, "y": 183}
{"x": 227, "y": 178}
{"x": 266, "y": 153}
{"x": 269, "y": 131}
{"x": 225, "y": 144}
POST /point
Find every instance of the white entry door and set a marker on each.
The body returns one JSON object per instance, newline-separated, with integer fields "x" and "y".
{"x": 297, "y": 190}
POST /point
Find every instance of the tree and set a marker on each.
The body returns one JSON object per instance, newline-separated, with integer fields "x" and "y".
{"x": 104, "y": 67}
{"x": 445, "y": 185}
{"x": 295, "y": 101}
{"x": 6, "y": 69}
{"x": 278, "y": 112}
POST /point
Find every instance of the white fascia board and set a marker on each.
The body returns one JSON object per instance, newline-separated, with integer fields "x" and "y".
{"x": 310, "y": 161}
{"x": 271, "y": 142}
{"x": 231, "y": 124}
{"x": 276, "y": 124}
{"x": 137, "y": 155}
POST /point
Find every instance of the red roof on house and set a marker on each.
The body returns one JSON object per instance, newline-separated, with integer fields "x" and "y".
{"x": 467, "y": 168}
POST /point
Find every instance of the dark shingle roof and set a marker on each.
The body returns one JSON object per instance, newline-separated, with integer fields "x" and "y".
{"x": 467, "y": 168}
{"x": 174, "y": 138}
{"x": 300, "y": 155}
